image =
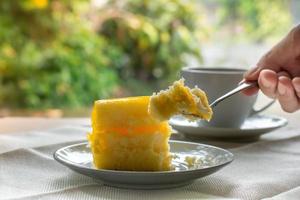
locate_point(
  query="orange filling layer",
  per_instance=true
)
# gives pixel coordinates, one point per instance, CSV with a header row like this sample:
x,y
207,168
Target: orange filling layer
x,y
127,131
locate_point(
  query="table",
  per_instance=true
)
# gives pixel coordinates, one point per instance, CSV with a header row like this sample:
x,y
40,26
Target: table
x,y
265,169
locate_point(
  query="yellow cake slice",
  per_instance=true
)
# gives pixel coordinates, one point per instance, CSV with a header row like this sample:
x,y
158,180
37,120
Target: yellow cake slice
x,y
179,99
126,137
132,133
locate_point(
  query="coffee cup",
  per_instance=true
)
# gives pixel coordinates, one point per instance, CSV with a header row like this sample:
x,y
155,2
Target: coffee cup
x,y
233,111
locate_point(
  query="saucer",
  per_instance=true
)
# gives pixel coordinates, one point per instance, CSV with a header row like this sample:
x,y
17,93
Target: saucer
x,y
253,127
207,159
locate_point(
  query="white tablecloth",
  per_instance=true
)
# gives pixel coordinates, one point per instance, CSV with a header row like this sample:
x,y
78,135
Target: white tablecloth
x,y
267,168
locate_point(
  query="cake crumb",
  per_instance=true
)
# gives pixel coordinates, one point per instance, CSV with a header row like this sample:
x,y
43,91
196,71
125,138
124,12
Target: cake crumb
x,y
190,160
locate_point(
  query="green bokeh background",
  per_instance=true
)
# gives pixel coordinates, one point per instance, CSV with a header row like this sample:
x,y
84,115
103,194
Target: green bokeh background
x,y
66,54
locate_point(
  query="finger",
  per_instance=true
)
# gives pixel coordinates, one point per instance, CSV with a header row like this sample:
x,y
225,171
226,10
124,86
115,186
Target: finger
x,y
250,91
267,82
271,60
286,94
296,84
278,56
252,74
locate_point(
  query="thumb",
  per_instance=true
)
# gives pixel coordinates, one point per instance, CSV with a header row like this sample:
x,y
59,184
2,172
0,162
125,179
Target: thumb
x,y
273,59
268,61
252,74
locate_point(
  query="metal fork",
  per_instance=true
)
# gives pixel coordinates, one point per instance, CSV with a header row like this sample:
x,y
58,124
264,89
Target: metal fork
x,y
239,88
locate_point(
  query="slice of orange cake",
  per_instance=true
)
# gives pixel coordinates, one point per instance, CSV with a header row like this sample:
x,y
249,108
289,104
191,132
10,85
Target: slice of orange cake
x,y
126,137
132,133
179,99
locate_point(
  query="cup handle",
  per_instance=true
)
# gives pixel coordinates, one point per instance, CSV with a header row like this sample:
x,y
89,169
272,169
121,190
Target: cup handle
x,y
254,112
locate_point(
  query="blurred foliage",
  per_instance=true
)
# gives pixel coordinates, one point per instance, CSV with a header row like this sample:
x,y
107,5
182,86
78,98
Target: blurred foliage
x,y
50,58
155,36
59,75
51,55
63,53
259,20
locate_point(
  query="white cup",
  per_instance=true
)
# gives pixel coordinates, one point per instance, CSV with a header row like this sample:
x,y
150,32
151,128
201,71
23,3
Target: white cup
x,y
233,111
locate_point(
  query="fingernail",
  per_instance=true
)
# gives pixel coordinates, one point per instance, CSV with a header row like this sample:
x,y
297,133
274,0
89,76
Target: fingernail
x,y
251,71
281,89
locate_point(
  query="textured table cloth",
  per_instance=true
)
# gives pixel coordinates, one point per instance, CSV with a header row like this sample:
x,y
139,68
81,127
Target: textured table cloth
x,y
263,169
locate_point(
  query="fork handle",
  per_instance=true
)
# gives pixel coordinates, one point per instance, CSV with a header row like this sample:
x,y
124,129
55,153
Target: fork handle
x,y
239,88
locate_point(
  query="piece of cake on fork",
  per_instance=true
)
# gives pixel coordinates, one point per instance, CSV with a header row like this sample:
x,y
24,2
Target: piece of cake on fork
x,y
179,99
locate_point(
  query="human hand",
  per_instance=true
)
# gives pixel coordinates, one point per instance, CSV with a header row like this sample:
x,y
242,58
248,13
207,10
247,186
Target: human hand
x,y
278,72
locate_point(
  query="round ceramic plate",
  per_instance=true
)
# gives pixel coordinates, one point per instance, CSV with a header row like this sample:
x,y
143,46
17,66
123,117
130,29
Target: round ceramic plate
x,y
252,127
206,160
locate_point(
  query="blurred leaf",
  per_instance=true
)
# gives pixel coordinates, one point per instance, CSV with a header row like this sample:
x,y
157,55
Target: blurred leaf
x,y
255,19
52,56
156,36
43,67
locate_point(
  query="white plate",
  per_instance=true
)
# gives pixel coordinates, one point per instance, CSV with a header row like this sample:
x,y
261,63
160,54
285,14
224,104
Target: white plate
x,y
253,127
209,159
